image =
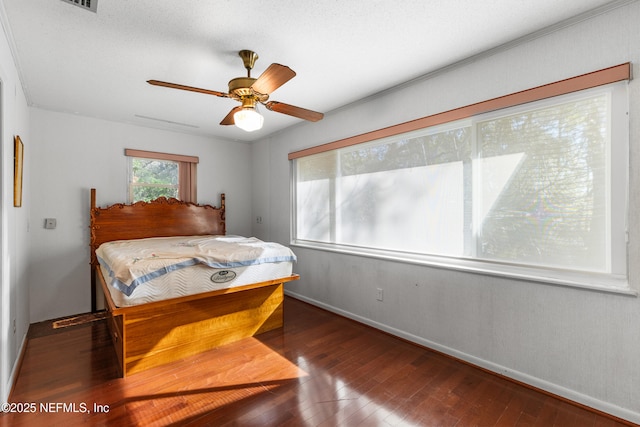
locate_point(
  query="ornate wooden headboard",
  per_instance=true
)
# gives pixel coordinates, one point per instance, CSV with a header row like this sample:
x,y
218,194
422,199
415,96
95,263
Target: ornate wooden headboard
x,y
159,218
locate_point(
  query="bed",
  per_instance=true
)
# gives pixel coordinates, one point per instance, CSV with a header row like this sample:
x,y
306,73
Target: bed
x,y
155,330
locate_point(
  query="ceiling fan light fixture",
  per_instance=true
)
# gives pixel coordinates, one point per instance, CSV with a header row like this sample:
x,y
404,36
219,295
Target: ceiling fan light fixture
x,y
248,119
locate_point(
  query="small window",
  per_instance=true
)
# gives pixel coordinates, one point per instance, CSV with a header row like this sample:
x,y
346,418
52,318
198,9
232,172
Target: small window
x,y
150,179
153,175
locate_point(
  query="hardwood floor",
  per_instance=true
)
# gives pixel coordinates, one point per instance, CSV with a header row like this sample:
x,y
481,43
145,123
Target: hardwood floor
x,y
319,370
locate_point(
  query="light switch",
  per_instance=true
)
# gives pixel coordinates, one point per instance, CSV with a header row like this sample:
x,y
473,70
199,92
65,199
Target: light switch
x,y
50,223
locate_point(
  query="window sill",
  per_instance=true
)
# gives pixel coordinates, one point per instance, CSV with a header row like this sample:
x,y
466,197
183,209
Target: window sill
x,y
578,280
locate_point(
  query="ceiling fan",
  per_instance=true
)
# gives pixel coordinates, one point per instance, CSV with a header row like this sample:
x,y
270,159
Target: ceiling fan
x,y
250,92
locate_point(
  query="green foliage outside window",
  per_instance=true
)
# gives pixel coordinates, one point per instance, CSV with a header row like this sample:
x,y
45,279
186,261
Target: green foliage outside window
x,y
151,179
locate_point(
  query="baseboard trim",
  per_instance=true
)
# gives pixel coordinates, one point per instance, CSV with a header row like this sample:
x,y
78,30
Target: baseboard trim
x,y
571,396
16,367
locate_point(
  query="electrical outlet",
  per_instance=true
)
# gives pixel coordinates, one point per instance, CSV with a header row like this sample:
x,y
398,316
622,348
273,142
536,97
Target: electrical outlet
x,y
379,295
50,223
259,219
14,326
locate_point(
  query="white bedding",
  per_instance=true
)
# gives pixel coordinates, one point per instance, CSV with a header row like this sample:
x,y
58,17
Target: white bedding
x,y
145,270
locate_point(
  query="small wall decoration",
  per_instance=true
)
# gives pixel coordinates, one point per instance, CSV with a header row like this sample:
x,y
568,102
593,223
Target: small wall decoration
x,y
17,171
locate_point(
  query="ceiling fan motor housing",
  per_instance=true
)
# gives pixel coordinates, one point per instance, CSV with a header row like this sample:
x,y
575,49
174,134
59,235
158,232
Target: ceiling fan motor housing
x,y
240,88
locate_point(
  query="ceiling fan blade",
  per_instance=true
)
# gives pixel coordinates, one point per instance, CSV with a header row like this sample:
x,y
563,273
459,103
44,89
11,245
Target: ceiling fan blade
x,y
228,120
291,110
272,78
189,88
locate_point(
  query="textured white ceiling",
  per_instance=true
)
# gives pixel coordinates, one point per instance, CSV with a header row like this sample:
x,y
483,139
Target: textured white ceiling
x,y
97,64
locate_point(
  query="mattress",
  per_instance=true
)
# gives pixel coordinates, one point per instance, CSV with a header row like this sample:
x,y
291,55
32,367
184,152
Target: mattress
x,y
146,270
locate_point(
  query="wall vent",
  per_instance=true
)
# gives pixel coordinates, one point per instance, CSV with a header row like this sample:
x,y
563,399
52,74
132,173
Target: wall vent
x,y
91,5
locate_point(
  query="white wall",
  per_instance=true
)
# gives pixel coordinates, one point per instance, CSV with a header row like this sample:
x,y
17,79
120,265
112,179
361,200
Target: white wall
x,y
14,238
580,344
260,190
71,154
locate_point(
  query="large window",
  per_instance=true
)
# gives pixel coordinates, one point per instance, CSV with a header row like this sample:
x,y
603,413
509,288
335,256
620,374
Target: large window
x,y
153,175
535,190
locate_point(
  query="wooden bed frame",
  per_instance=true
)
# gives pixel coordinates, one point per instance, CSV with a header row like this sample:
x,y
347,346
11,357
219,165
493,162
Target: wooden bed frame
x,y
161,332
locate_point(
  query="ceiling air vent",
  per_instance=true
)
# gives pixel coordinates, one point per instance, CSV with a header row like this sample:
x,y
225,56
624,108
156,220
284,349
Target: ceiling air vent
x,y
91,5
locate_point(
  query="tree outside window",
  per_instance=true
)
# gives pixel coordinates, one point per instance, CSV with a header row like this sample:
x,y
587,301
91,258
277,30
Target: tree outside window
x,y
153,175
151,179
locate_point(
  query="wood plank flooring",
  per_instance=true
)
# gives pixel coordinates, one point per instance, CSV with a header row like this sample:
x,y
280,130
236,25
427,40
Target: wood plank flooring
x,y
319,370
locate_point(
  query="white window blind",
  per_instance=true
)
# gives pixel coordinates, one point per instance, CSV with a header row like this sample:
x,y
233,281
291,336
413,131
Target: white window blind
x,y
541,186
541,179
